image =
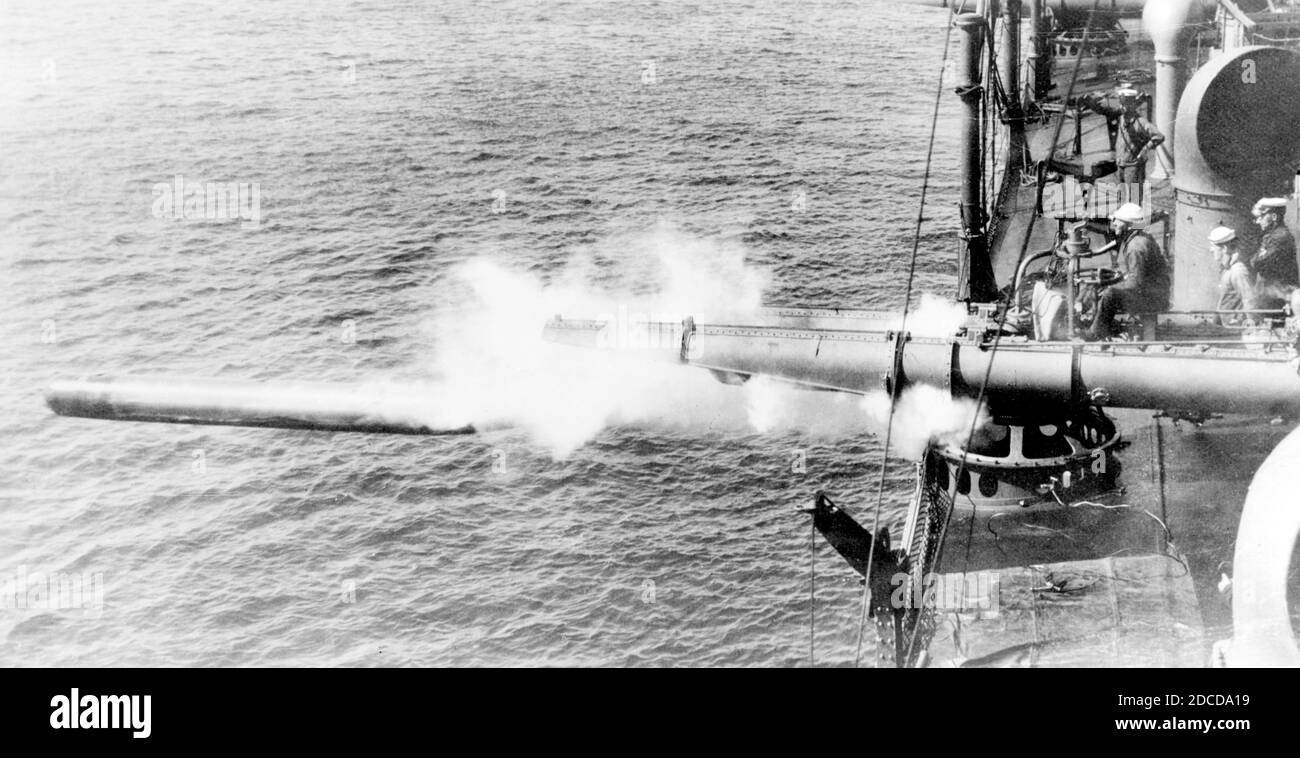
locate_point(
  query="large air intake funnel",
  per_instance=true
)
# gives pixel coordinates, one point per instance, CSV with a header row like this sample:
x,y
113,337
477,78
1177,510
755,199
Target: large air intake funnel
x,y
1235,142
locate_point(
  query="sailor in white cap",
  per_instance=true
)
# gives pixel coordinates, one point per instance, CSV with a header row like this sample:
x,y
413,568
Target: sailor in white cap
x,y
1237,281
1145,284
1275,261
1136,135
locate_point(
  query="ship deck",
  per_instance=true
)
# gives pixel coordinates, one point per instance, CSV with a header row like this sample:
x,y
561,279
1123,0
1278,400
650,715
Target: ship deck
x,y
1080,150
1082,186
1128,577
1095,586
1111,612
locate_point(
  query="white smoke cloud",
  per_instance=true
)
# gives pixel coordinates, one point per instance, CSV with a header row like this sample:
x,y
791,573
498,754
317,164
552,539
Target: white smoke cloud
x,y
935,317
772,406
496,369
493,367
923,413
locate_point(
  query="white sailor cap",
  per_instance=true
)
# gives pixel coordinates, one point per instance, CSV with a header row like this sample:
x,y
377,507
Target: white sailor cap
x,y
1269,204
1222,235
1127,92
1130,213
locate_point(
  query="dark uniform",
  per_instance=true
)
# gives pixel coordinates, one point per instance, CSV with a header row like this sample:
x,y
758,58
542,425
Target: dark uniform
x,y
1145,288
1275,266
1132,133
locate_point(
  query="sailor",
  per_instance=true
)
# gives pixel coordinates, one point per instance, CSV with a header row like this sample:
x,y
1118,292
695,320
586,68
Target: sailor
x,y
1275,267
1236,280
1145,284
1136,136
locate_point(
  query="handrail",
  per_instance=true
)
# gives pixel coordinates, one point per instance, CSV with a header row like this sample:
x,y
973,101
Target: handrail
x,y
1237,13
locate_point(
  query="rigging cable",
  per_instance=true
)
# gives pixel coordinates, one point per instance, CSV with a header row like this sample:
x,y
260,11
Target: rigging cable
x,y
812,593
902,328
993,350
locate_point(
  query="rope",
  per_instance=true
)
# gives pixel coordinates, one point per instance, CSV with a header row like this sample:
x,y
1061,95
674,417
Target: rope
x,y
988,368
812,593
1118,506
894,386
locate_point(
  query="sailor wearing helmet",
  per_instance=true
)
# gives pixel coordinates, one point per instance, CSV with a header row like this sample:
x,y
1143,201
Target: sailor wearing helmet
x,y
1135,135
1275,261
1145,286
1237,281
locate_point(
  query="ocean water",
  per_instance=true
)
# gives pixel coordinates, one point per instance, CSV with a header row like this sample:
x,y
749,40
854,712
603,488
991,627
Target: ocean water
x,y
414,163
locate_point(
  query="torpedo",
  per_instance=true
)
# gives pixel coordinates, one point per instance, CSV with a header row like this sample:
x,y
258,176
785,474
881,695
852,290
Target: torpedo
x,y
228,402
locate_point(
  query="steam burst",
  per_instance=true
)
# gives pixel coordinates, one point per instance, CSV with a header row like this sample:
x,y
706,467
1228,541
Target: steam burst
x,y
495,369
934,317
923,413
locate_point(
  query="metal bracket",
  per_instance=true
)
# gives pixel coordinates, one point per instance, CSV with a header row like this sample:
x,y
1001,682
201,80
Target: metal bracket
x,y
688,329
895,379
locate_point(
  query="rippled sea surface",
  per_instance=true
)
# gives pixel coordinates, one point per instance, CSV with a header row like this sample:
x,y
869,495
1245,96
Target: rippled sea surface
x,y
392,142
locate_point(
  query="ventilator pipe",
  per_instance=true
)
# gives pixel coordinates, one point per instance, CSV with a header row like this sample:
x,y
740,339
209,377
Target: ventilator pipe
x,y
1169,23
977,283
970,91
1040,57
1204,197
1270,524
1010,55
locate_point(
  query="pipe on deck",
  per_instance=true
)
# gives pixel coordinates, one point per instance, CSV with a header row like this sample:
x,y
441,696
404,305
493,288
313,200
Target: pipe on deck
x,y
1170,25
1009,61
977,282
1040,56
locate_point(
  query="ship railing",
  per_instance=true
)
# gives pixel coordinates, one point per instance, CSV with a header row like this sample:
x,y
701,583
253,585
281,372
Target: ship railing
x,y
1240,29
